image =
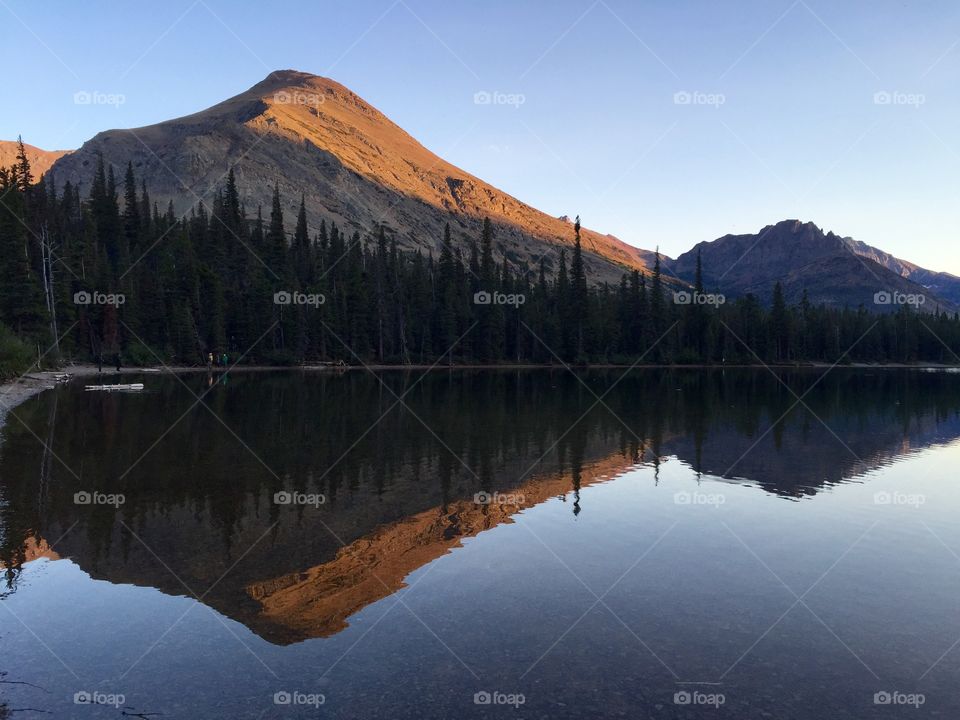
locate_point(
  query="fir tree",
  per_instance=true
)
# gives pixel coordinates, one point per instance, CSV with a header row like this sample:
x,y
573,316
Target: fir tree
x,y
578,291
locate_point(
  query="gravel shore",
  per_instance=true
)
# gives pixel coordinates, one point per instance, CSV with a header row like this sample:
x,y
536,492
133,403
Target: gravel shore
x,y
33,383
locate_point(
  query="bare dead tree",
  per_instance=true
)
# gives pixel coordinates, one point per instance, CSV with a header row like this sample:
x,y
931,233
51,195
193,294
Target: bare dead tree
x,y
46,252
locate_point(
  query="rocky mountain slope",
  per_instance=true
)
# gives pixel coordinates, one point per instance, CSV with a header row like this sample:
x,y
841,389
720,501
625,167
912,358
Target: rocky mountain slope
x,y
833,270
942,284
40,160
353,164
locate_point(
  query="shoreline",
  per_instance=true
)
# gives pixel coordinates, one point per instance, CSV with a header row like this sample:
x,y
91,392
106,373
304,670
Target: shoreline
x,y
16,392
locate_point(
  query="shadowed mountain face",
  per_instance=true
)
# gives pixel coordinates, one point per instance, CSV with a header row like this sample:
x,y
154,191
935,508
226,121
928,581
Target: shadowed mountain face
x,y
941,284
353,165
834,271
400,492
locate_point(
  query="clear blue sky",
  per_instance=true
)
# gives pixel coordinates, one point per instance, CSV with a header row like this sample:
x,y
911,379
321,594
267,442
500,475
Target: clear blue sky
x,y
799,133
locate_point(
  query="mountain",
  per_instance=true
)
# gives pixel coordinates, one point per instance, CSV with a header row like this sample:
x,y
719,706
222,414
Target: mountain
x,y
354,165
40,160
942,284
833,270
359,169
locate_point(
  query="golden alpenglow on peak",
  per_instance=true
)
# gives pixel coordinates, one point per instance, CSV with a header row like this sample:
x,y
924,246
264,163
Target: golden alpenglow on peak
x,y
353,165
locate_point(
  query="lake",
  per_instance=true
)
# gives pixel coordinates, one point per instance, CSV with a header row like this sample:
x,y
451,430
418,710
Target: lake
x,y
485,543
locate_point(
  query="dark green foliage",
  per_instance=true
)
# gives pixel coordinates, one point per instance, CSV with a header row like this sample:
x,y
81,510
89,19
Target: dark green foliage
x,y
15,355
218,281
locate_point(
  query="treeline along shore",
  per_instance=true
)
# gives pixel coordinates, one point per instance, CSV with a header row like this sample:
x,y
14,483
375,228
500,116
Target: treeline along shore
x,y
109,276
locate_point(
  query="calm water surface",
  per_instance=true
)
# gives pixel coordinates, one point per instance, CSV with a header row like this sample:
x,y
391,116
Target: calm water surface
x,y
658,544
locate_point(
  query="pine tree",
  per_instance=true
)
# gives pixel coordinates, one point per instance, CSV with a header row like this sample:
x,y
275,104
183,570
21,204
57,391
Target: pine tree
x,y
490,326
657,311
447,301
301,246
562,303
21,303
24,177
696,314
779,324
578,292
277,241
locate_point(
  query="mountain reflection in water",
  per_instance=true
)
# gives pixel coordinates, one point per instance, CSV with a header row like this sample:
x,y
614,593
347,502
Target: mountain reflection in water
x,y
401,492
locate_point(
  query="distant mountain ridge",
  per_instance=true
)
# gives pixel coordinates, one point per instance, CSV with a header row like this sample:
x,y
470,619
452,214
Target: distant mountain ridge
x,y
833,271
942,284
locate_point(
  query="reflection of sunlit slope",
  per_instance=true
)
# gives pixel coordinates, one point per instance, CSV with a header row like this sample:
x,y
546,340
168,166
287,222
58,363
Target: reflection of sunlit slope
x,y
32,549
202,522
318,601
201,515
